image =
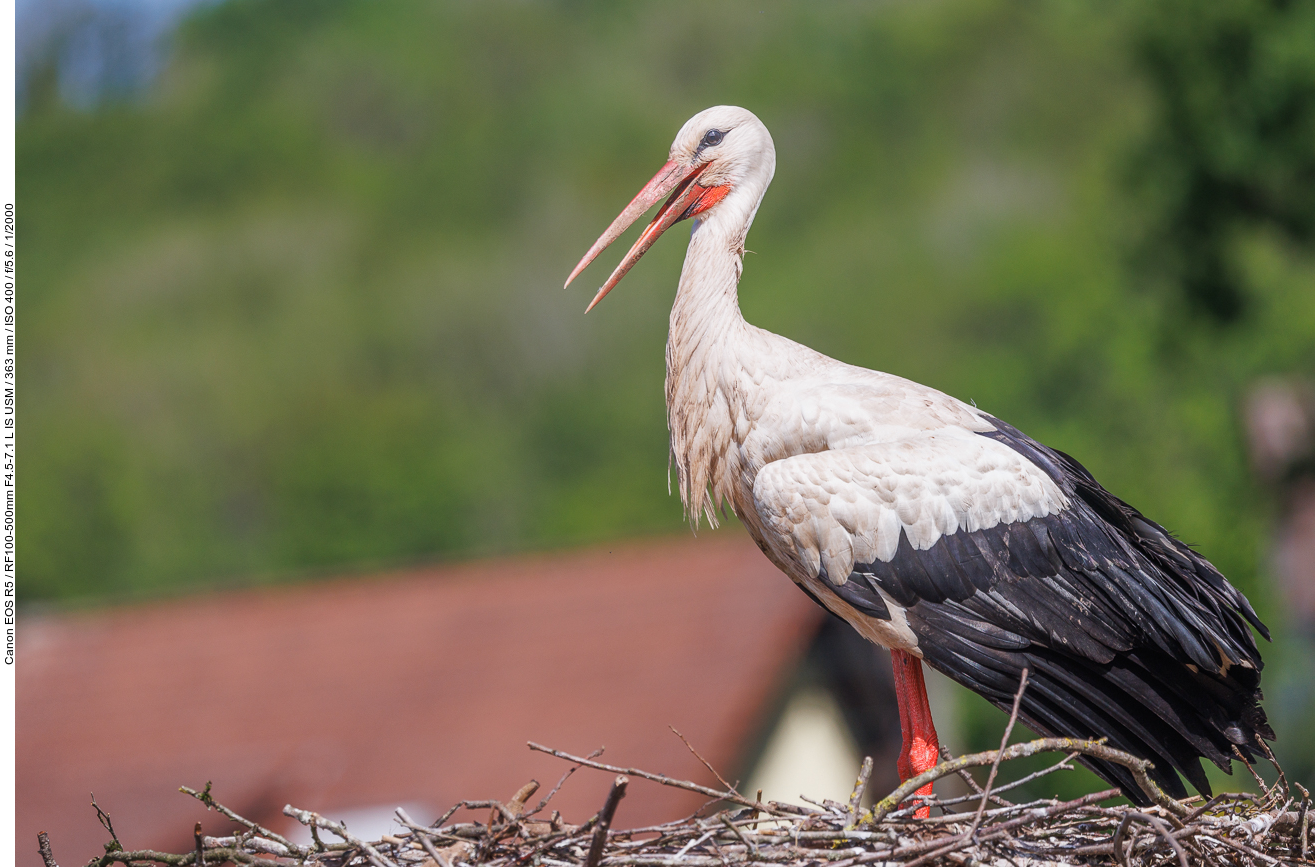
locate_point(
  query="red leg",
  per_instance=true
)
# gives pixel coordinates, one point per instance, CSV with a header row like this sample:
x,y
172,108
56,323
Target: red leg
x,y
921,746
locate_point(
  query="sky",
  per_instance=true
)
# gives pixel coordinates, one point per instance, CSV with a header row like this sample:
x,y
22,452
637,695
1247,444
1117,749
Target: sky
x,y
99,48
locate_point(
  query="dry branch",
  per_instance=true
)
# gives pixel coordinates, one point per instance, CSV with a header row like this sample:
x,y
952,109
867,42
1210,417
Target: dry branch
x,y
1233,830
604,823
43,846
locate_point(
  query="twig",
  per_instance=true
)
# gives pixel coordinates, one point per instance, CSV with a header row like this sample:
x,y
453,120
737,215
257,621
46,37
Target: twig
x,y
1119,854
1264,788
250,843
1282,780
200,851
860,786
566,776
422,836
1214,802
750,849
938,847
1095,749
205,797
721,856
962,773
136,856
1301,829
614,797
734,797
43,846
691,844
705,762
498,808
105,822
1004,742
1158,825
448,815
307,817
1238,847
822,805
998,831
516,806
1062,765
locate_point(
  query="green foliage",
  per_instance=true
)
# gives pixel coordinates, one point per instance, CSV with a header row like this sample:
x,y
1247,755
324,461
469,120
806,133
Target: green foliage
x,y
1234,142
301,308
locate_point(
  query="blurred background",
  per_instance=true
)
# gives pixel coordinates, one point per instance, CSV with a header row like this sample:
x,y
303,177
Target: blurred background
x,y
292,301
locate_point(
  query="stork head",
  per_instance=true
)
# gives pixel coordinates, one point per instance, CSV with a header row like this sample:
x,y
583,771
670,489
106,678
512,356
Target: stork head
x,y
718,169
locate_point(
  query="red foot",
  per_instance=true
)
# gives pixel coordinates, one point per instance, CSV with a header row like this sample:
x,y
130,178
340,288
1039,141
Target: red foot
x,y
921,746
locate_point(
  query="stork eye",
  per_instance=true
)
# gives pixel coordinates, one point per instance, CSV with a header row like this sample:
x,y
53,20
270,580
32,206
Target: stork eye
x,y
711,137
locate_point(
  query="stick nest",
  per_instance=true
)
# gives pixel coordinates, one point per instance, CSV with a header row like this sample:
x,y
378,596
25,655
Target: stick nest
x,y
983,828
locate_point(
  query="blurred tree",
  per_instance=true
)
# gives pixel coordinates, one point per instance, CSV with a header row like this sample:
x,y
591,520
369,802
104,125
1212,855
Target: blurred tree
x,y
1232,141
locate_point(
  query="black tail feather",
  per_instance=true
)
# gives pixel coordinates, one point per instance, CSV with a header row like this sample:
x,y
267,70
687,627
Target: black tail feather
x,y
1148,705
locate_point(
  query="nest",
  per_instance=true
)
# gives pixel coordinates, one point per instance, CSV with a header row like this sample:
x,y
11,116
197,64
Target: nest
x,y
982,828
1231,830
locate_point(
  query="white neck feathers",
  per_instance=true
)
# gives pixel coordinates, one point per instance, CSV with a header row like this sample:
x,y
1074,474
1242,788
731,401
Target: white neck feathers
x,y
705,347
702,362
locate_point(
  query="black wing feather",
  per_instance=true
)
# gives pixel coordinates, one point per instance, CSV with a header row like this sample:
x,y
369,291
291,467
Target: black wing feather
x,y
1128,633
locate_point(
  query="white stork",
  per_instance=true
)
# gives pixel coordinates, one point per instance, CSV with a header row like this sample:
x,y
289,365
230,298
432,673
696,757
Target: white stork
x,y
933,528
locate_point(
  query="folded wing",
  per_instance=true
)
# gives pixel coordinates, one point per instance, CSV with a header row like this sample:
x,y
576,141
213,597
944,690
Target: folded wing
x,y
1002,554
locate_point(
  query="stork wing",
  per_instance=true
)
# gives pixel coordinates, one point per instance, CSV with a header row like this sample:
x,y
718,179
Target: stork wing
x,y
1002,554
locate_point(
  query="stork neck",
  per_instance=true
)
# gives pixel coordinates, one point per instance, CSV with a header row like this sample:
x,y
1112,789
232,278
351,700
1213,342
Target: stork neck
x,y
708,294
705,322
705,358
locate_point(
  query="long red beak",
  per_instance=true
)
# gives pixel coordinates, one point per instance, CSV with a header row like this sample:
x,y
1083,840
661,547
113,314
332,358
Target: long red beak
x,y
687,200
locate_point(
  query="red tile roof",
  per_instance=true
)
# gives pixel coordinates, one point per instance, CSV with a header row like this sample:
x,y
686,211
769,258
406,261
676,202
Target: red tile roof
x,y
418,687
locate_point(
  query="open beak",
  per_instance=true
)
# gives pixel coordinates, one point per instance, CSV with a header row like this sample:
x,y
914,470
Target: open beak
x,y
687,199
